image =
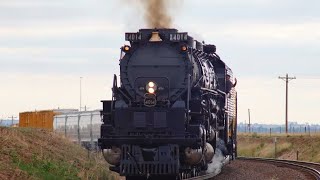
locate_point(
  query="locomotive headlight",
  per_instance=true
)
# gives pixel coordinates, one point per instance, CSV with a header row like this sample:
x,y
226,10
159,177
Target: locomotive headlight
x,y
126,48
151,84
151,87
184,48
151,90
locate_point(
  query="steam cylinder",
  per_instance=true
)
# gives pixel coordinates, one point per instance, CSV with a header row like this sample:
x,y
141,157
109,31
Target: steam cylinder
x,y
112,156
209,152
195,156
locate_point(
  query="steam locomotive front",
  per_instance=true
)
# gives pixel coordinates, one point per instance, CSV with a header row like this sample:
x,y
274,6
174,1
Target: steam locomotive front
x,y
156,65
144,130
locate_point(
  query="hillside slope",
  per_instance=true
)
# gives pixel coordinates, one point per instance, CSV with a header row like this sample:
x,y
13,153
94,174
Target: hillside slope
x,y
287,146
39,154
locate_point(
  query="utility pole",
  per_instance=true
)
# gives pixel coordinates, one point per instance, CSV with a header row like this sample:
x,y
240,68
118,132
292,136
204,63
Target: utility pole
x,y
80,93
275,147
12,117
245,126
287,79
249,125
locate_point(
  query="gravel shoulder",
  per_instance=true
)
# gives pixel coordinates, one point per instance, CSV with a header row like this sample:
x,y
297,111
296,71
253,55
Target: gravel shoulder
x,y
250,170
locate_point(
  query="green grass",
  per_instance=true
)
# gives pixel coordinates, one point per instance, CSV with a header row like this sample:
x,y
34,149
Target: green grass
x,y
43,168
27,153
283,147
262,145
255,134
264,149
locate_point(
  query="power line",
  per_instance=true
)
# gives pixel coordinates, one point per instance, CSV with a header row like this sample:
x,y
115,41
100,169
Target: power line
x,y
12,118
309,76
80,93
249,121
287,79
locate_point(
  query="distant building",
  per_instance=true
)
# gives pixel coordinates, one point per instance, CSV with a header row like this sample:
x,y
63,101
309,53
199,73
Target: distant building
x,y
8,122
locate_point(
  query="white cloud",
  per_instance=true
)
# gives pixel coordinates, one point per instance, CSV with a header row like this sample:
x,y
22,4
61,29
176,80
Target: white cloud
x,y
30,3
65,29
51,56
262,33
265,97
59,60
27,92
45,51
255,36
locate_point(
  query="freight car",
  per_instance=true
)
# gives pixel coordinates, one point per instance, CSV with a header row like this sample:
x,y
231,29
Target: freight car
x,y
78,126
37,119
173,109
41,119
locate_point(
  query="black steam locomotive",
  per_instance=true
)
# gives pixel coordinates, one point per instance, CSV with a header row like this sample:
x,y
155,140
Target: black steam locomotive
x,y
173,109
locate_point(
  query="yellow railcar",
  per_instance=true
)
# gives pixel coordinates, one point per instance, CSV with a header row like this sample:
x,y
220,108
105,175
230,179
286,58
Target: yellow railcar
x,y
37,119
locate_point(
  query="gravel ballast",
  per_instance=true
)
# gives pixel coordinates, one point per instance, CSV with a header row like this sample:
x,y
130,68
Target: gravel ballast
x,y
251,170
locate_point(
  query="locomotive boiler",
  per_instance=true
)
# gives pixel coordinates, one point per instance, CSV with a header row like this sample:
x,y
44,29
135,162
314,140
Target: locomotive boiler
x,y
171,111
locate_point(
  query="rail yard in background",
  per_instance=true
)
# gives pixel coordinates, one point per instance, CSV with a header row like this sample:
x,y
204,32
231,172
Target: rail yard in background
x,y
82,127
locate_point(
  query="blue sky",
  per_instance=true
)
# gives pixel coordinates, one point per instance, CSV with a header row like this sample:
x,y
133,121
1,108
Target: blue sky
x,y
45,46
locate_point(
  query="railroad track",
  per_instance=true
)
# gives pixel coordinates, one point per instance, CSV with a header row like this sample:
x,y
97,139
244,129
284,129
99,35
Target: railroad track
x,y
206,176
312,169
209,175
309,167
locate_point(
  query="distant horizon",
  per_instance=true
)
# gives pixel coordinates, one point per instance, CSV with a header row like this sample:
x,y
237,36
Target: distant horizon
x,y
242,123
239,122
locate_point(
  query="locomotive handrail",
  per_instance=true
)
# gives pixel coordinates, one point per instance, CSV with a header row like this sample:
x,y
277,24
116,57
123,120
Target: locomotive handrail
x,y
221,92
189,96
124,95
198,81
217,92
115,88
115,85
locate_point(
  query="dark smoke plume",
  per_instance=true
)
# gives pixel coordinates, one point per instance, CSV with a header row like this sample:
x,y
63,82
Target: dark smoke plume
x,y
156,13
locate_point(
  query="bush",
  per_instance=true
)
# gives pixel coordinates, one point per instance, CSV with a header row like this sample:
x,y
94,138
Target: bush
x,y
255,135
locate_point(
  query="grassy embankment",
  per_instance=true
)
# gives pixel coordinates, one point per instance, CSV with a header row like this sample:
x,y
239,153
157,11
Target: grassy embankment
x,y
40,154
257,145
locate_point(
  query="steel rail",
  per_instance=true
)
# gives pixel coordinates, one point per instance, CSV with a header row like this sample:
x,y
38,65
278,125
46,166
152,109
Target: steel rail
x,y
300,164
202,177
209,175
